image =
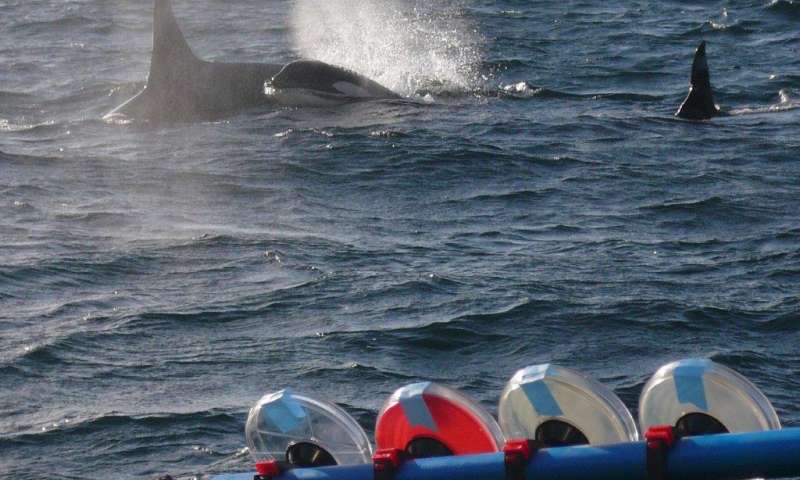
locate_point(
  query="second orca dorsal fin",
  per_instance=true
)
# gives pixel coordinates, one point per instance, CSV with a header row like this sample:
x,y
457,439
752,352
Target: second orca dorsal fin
x,y
171,52
699,104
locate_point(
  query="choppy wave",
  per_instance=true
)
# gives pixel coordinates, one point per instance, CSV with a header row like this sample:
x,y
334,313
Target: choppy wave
x,y
61,22
157,430
532,201
789,8
785,103
706,205
527,90
15,96
16,158
9,126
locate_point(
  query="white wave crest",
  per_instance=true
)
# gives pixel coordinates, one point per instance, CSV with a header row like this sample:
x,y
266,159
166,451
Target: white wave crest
x,y
785,103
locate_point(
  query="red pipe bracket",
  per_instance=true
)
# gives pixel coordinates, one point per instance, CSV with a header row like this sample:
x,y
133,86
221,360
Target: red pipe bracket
x,y
660,439
267,470
387,462
517,455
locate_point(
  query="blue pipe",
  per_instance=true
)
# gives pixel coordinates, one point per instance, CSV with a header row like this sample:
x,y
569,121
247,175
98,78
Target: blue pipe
x,y
772,454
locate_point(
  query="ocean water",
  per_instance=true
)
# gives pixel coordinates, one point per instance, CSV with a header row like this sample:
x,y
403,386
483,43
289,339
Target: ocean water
x,y
533,201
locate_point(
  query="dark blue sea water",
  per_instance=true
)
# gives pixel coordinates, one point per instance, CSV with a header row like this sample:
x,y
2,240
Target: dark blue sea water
x,y
535,201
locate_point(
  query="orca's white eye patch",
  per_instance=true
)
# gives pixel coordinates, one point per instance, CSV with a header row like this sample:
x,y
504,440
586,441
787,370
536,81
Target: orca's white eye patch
x,y
352,90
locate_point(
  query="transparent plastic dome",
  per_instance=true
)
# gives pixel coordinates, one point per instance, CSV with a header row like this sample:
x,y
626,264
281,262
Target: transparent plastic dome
x,y
559,407
427,419
700,397
304,431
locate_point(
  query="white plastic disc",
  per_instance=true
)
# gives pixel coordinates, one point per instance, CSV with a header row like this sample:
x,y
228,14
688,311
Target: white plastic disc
x,y
560,406
693,390
286,426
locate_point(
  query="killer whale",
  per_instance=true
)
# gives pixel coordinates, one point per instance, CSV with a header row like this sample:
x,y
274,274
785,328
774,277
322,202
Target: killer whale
x,y
699,104
182,87
314,83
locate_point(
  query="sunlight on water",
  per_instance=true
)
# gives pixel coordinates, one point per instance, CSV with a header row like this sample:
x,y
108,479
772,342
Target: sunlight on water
x,y
405,46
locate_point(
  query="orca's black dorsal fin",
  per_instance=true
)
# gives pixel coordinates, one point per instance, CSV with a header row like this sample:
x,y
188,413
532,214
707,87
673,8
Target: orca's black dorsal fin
x,y
171,52
700,74
699,105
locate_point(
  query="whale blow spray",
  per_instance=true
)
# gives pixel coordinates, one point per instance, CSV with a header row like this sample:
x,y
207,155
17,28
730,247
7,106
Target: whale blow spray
x,y
406,45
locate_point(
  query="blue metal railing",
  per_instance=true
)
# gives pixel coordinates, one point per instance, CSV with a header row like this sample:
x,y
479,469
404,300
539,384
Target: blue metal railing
x,y
771,454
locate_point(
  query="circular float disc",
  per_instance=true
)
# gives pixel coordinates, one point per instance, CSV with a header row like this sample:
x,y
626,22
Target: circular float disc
x,y
305,432
426,419
560,407
700,396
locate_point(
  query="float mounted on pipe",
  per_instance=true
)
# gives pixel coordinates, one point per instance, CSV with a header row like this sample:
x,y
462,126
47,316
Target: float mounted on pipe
x,y
700,421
